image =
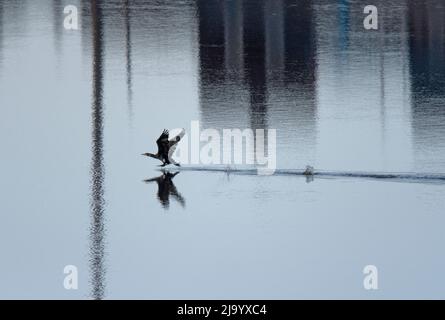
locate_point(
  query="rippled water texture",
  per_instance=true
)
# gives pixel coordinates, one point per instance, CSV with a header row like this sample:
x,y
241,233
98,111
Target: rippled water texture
x,y
364,108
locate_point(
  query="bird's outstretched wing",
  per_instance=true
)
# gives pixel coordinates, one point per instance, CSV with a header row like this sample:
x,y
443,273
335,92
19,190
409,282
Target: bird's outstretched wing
x,y
156,179
174,174
178,197
174,141
162,142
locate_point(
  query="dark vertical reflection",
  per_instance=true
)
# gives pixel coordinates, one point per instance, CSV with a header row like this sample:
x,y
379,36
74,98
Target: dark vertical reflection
x,y
97,229
1,34
344,23
382,96
257,55
58,17
233,22
274,29
382,84
255,64
300,37
85,19
427,68
211,40
212,61
300,76
127,15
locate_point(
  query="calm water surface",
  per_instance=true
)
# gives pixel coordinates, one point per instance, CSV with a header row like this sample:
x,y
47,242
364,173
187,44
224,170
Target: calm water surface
x,y
79,107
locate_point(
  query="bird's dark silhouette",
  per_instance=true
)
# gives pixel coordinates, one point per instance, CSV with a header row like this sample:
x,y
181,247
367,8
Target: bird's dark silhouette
x,y
166,148
166,188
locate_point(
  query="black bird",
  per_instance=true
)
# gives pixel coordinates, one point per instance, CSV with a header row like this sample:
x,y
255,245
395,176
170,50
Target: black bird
x,y
166,188
166,148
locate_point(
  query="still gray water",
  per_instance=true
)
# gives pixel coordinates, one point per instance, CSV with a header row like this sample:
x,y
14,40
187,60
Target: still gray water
x,y
78,107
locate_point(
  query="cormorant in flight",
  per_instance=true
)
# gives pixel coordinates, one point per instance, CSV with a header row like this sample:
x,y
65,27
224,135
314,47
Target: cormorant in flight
x,y
166,148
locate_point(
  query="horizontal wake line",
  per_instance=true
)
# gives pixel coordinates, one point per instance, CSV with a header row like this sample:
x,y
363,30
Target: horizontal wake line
x,y
414,177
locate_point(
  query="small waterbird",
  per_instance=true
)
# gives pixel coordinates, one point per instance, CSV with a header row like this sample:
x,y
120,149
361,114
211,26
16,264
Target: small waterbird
x,y
309,171
166,148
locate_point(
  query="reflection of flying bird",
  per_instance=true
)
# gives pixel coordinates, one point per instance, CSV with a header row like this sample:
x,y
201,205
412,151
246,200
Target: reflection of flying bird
x,y
166,148
166,188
